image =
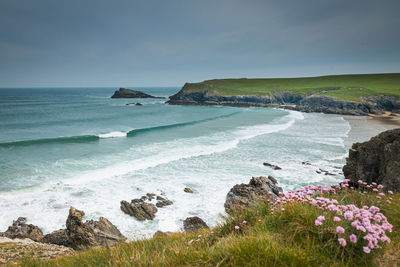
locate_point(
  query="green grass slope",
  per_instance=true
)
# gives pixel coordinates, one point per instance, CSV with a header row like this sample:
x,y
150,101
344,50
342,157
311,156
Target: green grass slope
x,y
284,238
346,87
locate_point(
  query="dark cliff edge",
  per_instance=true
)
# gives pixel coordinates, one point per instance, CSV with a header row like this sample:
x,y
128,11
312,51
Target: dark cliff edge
x,y
129,93
311,103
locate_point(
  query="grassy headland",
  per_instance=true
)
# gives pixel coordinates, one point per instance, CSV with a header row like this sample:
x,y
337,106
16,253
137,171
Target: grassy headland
x,y
345,87
258,237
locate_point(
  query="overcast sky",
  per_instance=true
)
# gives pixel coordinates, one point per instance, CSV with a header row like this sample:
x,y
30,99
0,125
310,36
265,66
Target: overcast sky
x,y
168,42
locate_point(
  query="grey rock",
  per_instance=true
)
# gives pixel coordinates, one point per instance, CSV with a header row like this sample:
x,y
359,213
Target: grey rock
x,y
129,93
275,167
163,203
188,190
139,209
91,233
58,237
20,229
193,224
377,160
244,195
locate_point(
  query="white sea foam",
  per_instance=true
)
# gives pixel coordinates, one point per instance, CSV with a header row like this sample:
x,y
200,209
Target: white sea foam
x,y
113,135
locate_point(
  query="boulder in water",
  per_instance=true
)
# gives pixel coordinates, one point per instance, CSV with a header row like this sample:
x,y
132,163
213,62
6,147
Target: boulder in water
x,y
139,209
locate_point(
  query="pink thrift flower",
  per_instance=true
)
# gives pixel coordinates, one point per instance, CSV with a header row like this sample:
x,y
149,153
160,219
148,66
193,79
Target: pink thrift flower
x,y
380,186
340,230
366,250
321,218
353,238
375,190
388,201
390,192
342,242
190,242
336,219
378,197
318,223
244,222
237,227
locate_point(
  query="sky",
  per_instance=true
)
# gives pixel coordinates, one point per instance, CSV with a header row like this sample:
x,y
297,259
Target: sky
x,y
82,43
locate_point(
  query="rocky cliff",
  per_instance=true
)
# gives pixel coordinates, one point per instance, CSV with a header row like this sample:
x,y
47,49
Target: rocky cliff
x,y
377,160
309,103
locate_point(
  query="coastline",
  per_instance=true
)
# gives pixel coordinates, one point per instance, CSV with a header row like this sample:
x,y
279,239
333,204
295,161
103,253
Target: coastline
x,y
362,128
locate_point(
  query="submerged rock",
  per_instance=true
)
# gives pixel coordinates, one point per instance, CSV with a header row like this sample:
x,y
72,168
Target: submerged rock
x,y
377,160
193,224
129,93
243,195
187,190
163,203
139,209
20,229
275,167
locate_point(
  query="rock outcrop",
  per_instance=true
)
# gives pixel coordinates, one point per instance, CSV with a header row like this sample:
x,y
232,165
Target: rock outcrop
x,y
91,233
377,160
58,237
129,93
20,229
244,195
18,249
305,103
139,209
193,224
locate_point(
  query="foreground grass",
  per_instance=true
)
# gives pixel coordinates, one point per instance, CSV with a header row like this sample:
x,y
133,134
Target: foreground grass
x,y
288,238
346,87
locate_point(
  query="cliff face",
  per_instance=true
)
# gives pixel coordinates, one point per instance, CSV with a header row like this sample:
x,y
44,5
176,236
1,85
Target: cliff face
x,y
377,160
312,103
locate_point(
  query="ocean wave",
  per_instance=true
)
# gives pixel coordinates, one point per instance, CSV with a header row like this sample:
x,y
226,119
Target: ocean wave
x,y
91,138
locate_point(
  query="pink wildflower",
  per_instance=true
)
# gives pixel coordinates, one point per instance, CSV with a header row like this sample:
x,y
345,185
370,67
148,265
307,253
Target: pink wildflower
x,y
342,242
366,250
390,192
190,242
321,218
336,219
380,186
237,227
244,222
353,238
318,223
340,230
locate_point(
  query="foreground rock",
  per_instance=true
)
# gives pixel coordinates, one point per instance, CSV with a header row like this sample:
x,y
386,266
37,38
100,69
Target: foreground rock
x,y
193,224
18,249
91,233
139,209
244,195
58,237
377,160
129,93
20,229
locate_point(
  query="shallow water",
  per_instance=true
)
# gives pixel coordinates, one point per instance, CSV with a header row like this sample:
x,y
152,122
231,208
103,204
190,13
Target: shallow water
x,y
76,146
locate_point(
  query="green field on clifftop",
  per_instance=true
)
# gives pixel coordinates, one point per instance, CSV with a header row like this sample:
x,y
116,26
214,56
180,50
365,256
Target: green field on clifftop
x,y
346,87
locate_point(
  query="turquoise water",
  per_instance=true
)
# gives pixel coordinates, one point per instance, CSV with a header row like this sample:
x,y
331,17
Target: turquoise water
x,y
77,146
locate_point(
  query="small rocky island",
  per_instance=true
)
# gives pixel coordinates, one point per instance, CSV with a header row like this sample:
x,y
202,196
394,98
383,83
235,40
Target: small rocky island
x,y
129,93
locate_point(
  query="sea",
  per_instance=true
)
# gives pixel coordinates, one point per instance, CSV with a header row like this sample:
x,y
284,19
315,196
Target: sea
x,y
62,147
